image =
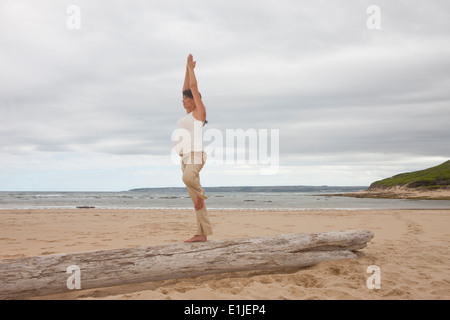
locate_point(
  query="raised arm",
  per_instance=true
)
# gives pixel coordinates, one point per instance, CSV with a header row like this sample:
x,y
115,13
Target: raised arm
x,y
186,84
200,111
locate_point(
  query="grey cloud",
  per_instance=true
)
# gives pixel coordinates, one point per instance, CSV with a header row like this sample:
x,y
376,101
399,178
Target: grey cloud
x,y
309,68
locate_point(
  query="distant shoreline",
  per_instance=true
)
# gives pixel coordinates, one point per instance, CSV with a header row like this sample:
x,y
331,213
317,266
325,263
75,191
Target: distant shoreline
x,y
330,189
397,193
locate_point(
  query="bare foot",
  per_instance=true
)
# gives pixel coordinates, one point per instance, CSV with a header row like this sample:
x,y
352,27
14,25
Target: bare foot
x,y
197,239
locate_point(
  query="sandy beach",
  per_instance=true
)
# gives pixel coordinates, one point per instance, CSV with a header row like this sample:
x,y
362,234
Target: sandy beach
x,y
411,248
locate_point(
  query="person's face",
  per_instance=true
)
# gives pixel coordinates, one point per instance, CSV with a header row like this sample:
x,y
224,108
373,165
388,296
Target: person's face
x,y
188,103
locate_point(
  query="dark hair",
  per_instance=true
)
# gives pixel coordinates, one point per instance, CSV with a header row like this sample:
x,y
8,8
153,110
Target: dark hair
x,y
188,93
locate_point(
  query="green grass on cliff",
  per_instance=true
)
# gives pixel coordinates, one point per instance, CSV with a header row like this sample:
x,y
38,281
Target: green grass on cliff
x,y
433,178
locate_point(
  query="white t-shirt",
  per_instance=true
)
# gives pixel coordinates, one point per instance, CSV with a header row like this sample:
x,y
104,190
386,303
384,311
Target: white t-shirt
x,y
190,133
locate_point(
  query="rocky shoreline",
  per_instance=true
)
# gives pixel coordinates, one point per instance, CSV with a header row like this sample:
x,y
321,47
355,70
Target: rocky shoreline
x,y
399,193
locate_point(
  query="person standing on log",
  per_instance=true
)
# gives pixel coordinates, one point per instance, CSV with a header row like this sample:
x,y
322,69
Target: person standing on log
x,y
190,149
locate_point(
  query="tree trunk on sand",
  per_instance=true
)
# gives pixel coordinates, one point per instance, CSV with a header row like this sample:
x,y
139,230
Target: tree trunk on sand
x,y
43,275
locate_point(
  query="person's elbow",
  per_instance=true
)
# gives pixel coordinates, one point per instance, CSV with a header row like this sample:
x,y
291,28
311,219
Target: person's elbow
x,y
202,115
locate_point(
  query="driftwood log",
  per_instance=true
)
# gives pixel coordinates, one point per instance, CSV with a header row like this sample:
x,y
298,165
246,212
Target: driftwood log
x,y
36,276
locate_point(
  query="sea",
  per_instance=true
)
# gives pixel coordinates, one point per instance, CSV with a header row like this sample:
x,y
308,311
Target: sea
x,y
174,198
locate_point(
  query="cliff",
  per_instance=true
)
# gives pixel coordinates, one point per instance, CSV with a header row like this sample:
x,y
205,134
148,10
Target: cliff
x,y
429,179
429,184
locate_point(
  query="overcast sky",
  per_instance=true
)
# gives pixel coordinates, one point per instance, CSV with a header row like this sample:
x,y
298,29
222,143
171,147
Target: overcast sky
x,y
94,108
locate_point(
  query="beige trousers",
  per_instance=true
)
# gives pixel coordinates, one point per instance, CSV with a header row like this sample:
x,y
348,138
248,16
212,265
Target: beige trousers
x,y
191,164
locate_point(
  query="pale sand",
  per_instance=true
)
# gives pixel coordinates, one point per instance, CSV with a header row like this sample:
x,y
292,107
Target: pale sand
x,y
411,247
